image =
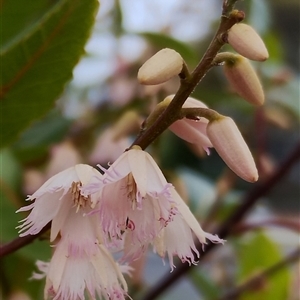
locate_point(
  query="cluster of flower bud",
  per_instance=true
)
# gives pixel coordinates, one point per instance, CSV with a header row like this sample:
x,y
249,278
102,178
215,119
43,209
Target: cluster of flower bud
x,y
209,129
238,70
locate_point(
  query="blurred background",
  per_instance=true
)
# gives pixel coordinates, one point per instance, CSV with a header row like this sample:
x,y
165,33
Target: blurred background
x,y
100,113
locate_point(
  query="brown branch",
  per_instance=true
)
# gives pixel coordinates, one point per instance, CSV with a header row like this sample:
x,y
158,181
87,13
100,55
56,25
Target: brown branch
x,y
293,225
225,229
21,242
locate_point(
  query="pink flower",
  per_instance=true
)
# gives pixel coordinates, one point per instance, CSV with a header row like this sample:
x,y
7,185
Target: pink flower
x,y
135,197
137,206
192,131
54,198
69,275
177,237
80,261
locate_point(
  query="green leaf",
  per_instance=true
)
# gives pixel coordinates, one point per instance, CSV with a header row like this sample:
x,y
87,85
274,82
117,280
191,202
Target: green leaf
x,y
10,180
165,41
256,255
25,16
37,63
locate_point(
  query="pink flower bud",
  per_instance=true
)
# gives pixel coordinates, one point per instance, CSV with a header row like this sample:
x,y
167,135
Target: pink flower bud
x,y
245,40
160,67
229,143
244,80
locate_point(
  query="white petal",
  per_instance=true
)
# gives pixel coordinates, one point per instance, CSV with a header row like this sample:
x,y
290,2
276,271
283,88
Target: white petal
x,y
85,172
157,181
59,220
45,208
61,180
189,217
57,264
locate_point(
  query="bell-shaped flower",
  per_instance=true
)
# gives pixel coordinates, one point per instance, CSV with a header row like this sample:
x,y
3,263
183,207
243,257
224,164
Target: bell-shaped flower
x,y
229,143
53,199
177,237
133,196
137,205
80,262
70,275
192,131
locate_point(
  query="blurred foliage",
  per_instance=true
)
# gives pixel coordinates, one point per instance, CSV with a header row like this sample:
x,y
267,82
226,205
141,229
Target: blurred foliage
x,y
204,285
34,142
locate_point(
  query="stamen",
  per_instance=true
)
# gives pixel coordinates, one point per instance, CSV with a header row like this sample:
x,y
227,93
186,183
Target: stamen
x,y
78,198
131,190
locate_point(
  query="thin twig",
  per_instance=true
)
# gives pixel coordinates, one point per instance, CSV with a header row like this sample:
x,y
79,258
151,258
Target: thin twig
x,y
225,229
293,225
21,242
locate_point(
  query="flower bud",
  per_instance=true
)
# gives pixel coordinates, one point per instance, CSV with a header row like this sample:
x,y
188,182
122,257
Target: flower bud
x,y
229,143
162,66
244,80
245,40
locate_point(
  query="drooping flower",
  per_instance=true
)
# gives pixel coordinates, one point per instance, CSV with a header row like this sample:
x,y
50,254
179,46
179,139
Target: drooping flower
x,y
80,263
177,237
192,131
133,196
231,146
137,205
51,199
70,275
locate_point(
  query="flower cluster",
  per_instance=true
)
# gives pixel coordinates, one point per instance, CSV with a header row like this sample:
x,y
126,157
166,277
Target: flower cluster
x,y
127,208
